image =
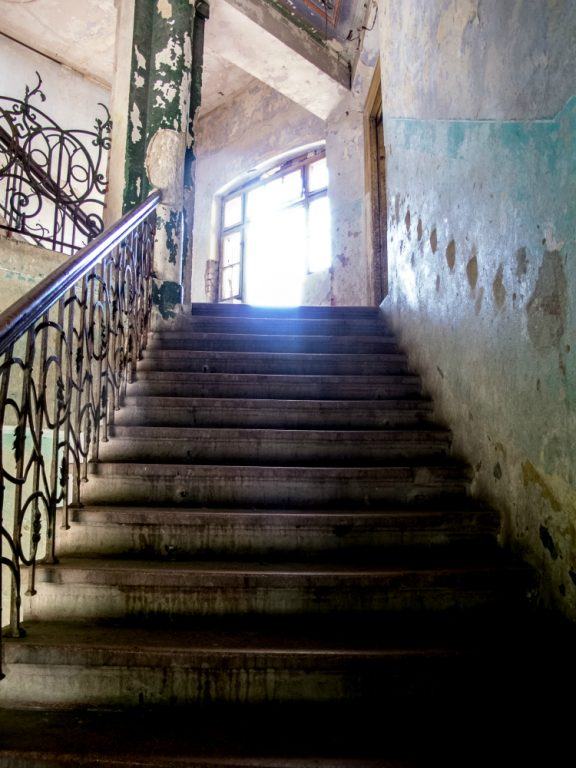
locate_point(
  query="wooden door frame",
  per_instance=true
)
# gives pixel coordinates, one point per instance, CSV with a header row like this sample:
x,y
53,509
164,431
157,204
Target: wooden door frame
x,y
377,213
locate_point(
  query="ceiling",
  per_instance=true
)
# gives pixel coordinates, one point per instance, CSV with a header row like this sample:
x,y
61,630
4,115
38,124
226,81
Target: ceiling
x,y
75,32
331,19
220,81
81,34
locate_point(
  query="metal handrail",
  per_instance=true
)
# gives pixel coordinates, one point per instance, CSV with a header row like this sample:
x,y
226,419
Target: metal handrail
x,y
68,348
26,310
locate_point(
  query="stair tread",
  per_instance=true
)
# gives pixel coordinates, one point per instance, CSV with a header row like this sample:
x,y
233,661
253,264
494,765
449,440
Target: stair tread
x,y
155,432
151,468
255,636
405,564
466,510
157,352
167,335
259,403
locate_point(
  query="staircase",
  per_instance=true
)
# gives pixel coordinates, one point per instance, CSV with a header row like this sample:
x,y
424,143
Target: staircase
x,y
277,555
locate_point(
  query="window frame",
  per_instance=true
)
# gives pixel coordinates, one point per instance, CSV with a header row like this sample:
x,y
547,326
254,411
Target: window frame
x,y
301,162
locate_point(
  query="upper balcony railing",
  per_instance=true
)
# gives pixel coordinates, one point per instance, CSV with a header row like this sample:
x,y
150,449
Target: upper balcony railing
x,y
67,350
52,180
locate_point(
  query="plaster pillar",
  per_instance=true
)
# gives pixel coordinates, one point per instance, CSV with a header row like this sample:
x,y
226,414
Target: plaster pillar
x,y
150,104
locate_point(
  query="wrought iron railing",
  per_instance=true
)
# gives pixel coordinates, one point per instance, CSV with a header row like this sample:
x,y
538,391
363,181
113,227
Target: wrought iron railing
x,y
67,350
52,180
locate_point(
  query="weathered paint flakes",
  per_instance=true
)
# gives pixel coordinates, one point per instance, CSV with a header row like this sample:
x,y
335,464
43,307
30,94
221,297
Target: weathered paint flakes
x,y
136,122
546,309
140,59
165,9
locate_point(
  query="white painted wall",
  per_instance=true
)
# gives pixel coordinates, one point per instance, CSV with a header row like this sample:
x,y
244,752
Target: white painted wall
x,y
72,102
71,99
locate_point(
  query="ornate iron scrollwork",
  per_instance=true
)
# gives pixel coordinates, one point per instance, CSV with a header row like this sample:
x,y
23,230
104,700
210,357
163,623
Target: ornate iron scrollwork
x,y
52,180
66,355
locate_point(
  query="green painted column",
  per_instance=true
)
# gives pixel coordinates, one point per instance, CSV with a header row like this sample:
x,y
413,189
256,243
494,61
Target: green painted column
x,y
158,130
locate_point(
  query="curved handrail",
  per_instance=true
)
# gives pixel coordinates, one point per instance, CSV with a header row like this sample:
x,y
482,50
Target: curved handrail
x,y
21,315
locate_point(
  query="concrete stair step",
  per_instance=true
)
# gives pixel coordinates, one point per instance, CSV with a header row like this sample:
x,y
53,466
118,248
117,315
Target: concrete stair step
x,y
262,386
213,485
82,589
273,362
273,413
180,532
246,310
264,342
391,733
279,326
270,446
236,661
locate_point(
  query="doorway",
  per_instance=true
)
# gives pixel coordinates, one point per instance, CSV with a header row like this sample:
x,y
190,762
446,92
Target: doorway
x,y
375,149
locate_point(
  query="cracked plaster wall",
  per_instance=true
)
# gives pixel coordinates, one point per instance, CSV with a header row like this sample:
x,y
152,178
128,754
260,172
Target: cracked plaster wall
x,y
480,129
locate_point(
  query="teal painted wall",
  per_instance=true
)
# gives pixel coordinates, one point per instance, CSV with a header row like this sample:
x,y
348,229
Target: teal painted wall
x,y
482,260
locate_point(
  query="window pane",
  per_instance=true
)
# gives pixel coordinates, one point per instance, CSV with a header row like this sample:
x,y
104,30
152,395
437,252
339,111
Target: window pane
x,y
230,282
319,235
317,175
231,249
233,211
275,258
274,195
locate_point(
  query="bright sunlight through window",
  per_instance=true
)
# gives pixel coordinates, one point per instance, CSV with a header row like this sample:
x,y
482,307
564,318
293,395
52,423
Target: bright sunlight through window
x,y
275,230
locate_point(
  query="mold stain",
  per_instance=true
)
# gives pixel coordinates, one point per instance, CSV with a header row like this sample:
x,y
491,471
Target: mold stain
x,y
437,283
531,476
548,542
521,263
472,270
407,222
420,230
479,300
498,288
451,255
434,240
497,471
397,209
546,308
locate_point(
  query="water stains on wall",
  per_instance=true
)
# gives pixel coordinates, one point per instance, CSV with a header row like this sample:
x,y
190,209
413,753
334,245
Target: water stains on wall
x,y
496,314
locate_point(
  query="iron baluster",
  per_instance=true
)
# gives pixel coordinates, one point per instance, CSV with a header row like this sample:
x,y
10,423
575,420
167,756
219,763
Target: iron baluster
x,y
66,350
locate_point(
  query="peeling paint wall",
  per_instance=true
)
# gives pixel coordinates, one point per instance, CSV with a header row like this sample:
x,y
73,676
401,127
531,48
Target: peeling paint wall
x,y
480,129
350,279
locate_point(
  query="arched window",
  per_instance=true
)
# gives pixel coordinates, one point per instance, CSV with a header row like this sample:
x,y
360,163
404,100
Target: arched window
x,y
275,229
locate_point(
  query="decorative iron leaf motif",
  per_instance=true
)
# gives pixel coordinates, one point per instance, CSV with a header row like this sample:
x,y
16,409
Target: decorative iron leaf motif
x,y
36,526
64,474
60,399
19,438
